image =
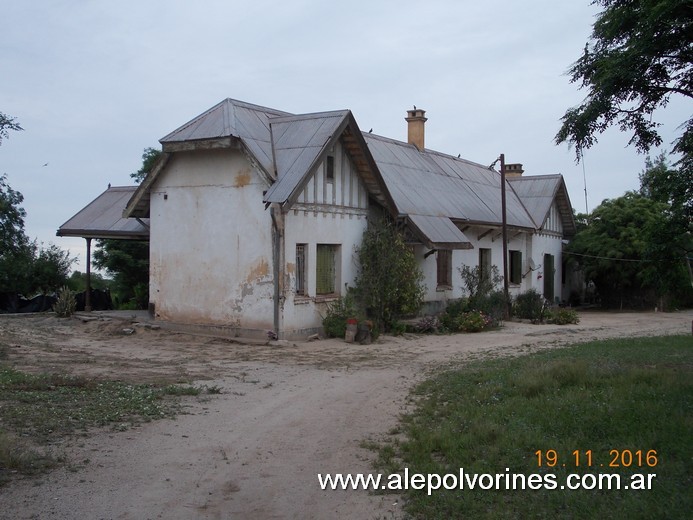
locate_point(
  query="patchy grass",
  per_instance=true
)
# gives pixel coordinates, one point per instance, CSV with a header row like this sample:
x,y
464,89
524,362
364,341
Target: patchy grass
x,y
631,395
37,410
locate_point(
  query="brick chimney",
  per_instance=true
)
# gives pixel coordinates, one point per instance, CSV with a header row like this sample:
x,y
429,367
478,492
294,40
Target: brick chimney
x,y
415,130
514,170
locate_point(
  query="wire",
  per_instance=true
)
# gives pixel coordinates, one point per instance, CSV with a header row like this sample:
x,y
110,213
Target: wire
x,y
604,257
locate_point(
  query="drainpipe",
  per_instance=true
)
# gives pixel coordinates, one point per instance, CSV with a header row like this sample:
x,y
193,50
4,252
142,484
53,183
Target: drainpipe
x,y
278,264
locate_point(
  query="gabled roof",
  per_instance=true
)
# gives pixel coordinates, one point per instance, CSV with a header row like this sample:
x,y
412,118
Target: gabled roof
x,y
300,144
538,193
433,184
232,118
435,193
103,218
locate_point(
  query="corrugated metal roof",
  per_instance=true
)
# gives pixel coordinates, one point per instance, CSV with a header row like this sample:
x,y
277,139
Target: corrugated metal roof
x,y
103,218
439,232
538,193
232,118
419,184
298,143
433,184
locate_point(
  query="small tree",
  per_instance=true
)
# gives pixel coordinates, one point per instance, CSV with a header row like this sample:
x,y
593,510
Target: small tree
x,y
390,282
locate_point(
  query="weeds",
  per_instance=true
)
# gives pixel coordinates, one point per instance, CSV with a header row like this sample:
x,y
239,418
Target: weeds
x,y
42,408
66,304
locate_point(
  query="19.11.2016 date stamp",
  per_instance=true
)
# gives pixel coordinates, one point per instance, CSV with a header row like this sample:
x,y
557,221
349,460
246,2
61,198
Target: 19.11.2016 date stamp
x,y
587,458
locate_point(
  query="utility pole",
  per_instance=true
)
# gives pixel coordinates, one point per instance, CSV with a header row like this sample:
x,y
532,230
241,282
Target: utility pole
x,y
506,291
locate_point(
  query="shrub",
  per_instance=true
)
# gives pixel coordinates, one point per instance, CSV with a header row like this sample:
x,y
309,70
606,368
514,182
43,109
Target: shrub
x,y
427,324
398,328
390,283
459,318
529,306
473,321
338,312
66,303
493,304
563,317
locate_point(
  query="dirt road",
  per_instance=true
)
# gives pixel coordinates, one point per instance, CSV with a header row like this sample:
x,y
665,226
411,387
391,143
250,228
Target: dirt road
x,y
288,411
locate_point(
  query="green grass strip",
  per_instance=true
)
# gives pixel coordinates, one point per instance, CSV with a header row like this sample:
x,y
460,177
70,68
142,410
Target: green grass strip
x,y
631,394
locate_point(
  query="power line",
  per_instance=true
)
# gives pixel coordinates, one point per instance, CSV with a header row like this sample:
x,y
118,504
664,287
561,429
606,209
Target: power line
x,y
604,257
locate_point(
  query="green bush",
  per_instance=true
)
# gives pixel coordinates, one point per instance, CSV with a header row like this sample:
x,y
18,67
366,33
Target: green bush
x,y
398,328
458,317
563,317
493,304
529,306
389,284
473,321
334,322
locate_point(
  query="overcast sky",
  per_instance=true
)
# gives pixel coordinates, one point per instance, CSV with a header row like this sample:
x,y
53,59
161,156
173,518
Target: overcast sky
x,y
93,83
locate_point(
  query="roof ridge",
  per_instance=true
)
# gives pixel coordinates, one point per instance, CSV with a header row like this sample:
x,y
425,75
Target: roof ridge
x,y
310,115
425,150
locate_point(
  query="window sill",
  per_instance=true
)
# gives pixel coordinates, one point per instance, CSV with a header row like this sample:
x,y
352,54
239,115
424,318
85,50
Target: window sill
x,y
442,288
300,299
326,298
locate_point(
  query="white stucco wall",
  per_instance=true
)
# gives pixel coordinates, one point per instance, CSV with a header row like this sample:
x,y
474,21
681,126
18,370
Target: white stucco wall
x,y
211,242
544,244
334,213
531,245
303,313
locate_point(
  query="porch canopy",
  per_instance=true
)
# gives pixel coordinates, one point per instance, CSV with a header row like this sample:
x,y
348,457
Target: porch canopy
x,y
103,218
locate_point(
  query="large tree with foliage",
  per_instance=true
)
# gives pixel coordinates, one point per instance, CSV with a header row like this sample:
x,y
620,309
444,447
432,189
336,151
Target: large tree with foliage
x,y
671,239
639,56
16,250
128,262
612,249
25,267
634,253
389,283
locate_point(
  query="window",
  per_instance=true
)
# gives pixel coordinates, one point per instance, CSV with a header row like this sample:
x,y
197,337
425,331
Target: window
x,y
485,263
326,269
329,168
549,273
301,269
516,267
444,265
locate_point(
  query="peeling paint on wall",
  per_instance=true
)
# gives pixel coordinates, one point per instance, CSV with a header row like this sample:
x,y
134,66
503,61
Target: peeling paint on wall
x,y
258,271
243,178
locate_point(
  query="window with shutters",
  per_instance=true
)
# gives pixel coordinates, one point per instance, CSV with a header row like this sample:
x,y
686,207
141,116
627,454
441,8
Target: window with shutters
x,y
326,271
444,267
